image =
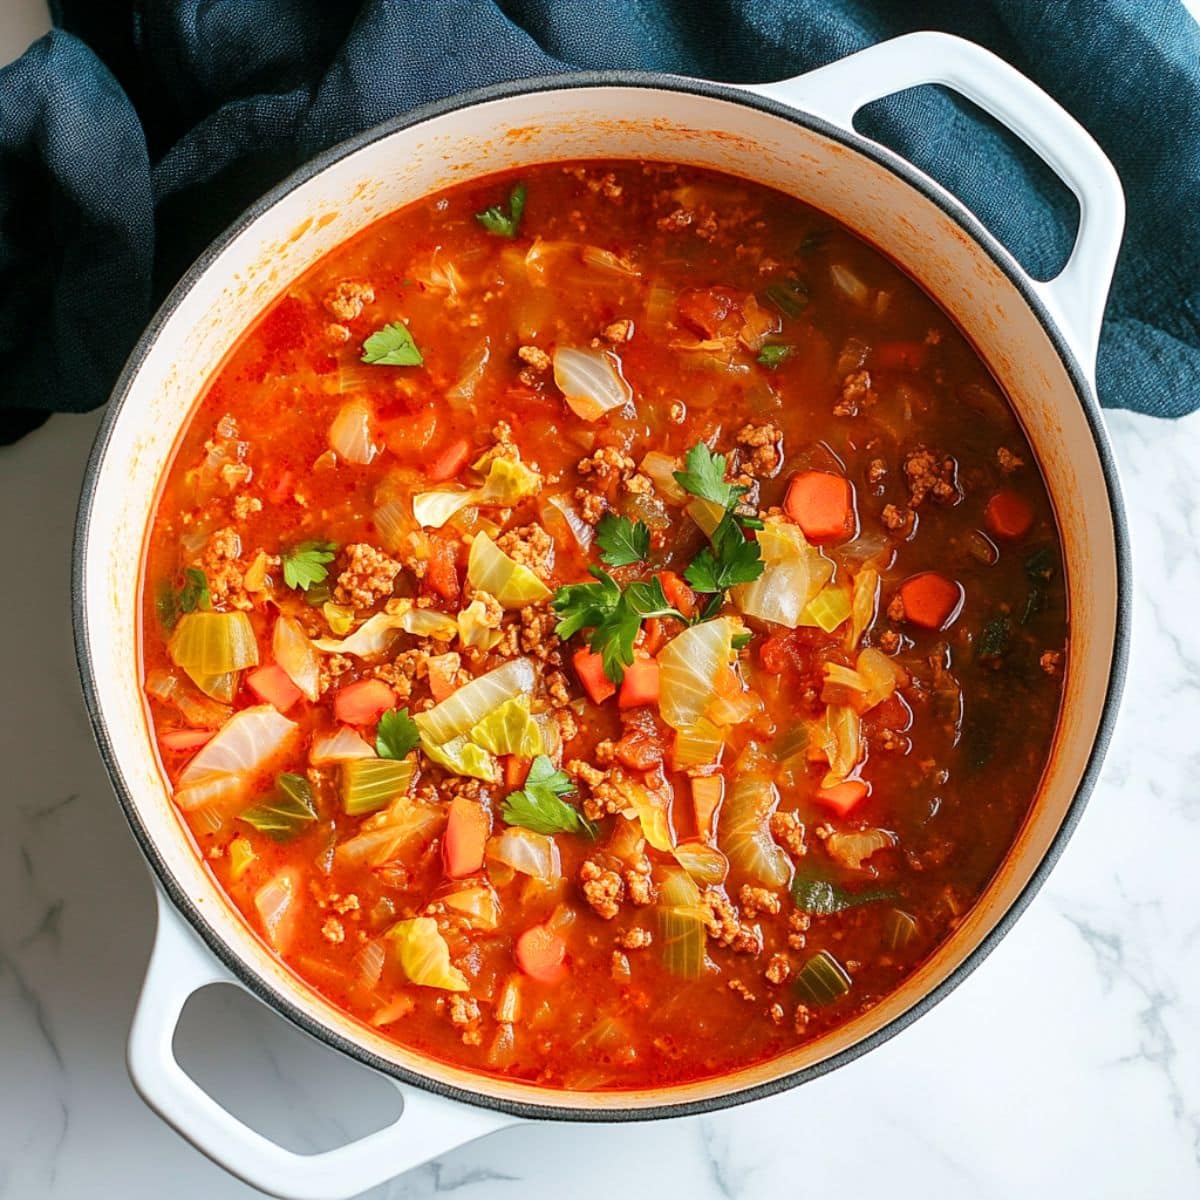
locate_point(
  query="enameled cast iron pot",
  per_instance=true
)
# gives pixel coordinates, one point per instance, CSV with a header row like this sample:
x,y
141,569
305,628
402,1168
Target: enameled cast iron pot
x,y
1038,338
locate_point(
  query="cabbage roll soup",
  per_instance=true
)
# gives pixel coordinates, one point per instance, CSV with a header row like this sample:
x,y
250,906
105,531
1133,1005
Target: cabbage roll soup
x,y
603,627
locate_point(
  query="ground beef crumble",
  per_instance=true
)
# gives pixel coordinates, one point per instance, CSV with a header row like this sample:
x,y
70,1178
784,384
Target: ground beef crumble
x,y
367,578
601,888
531,546
347,300
931,474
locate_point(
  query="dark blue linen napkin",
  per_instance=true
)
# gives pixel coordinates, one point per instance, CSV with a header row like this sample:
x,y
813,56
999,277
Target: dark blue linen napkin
x,y
137,129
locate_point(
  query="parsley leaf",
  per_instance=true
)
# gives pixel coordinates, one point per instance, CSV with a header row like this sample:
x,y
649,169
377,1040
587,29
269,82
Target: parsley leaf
x,y
613,640
540,805
287,813
505,224
396,735
649,600
392,346
730,560
194,594
585,605
622,541
772,355
704,476
815,894
304,563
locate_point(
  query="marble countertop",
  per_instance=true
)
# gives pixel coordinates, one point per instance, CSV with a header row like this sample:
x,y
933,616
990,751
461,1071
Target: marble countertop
x,y
1067,1064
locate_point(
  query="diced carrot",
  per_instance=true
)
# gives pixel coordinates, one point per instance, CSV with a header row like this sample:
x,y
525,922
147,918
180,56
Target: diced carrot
x,y
589,666
677,592
652,635
822,504
1008,515
272,685
640,685
443,680
900,356
363,702
467,829
441,570
185,739
707,793
842,797
540,953
516,768
930,600
451,460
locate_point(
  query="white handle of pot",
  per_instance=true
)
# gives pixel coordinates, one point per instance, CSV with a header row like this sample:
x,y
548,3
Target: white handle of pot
x,y
179,966
1075,297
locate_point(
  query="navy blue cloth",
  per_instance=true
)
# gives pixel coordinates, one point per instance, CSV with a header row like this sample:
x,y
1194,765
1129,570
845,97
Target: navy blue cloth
x,y
138,129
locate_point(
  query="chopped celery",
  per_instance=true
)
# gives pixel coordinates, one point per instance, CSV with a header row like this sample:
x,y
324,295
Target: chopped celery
x,y
213,643
424,955
813,893
508,482
491,570
899,929
744,831
469,704
822,979
369,784
286,814
509,729
829,608
462,757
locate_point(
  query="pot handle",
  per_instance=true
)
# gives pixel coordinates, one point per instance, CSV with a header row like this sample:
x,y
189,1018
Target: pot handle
x,y
180,965
1075,297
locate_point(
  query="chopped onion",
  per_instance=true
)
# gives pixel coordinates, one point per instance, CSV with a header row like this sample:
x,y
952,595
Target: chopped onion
x,y
852,848
849,285
462,394
863,603
273,901
350,433
591,381
528,853
688,667
394,520
705,864
433,509
344,745
882,675
661,470
559,512
368,964
606,260
297,656
745,834
478,904
473,701
200,712
226,766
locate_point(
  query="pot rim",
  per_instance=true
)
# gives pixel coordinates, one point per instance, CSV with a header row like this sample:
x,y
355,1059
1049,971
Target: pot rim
x,y
583,80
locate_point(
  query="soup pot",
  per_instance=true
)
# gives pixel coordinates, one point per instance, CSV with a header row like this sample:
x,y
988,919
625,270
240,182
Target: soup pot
x,y
1039,339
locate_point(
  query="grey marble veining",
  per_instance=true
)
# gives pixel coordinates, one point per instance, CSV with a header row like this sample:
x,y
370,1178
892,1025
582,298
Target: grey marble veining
x,y
1068,1064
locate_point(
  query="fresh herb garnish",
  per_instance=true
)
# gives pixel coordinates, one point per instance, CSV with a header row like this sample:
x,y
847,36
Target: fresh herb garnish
x,y
791,297
622,541
505,224
540,805
730,559
396,735
704,476
585,605
772,355
816,894
994,639
392,346
741,640
304,563
289,812
193,595
1039,570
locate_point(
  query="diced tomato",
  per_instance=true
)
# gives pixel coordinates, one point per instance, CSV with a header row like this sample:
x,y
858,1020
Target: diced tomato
x,y
640,685
589,666
185,739
516,768
441,570
541,954
822,504
272,685
900,356
364,702
844,796
1008,515
706,310
930,600
677,592
467,829
450,462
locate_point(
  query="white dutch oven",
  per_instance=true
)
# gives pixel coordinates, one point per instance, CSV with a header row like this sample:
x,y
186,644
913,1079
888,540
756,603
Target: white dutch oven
x,y
1039,339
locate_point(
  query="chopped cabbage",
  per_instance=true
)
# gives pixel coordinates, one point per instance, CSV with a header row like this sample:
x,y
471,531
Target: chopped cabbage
x,y
744,833
369,784
224,768
509,729
793,573
590,381
433,509
688,666
213,643
462,757
297,656
491,570
508,482
424,955
475,700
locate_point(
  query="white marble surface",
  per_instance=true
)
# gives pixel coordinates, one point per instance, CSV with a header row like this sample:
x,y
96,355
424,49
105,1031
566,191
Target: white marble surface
x,y
1067,1065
